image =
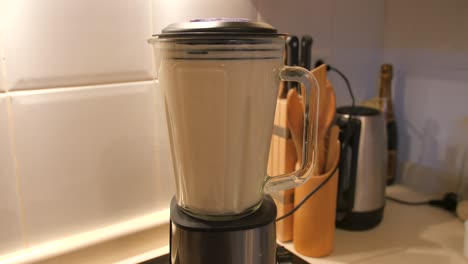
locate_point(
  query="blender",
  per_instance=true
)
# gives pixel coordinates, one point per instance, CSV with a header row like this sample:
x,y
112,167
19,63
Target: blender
x,y
220,80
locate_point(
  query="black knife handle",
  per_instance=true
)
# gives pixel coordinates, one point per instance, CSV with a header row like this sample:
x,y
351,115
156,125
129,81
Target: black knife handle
x,y
306,52
292,49
292,56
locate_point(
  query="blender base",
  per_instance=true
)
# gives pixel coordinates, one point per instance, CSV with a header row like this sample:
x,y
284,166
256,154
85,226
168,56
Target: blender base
x,y
249,240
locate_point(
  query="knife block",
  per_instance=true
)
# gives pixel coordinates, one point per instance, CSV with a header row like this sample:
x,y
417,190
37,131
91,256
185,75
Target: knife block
x,y
314,222
282,159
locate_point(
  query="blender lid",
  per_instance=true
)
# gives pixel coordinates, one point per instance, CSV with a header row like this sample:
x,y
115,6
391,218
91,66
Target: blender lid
x,y
219,27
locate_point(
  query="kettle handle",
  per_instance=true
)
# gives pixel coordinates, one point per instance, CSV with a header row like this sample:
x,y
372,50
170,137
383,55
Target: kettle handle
x,y
349,138
309,143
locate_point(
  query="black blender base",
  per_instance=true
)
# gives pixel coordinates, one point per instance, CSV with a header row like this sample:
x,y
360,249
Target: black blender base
x,y
283,256
251,239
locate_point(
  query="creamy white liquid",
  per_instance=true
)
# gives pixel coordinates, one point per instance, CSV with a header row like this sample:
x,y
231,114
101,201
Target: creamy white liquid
x,y
220,115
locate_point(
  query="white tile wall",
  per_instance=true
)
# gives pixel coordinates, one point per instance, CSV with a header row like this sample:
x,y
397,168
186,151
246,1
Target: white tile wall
x,y
301,17
433,124
2,81
357,45
429,51
56,43
87,157
10,228
2,68
347,34
166,12
432,38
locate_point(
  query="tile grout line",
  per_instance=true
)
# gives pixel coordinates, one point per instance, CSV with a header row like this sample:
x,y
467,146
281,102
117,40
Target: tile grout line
x,y
86,86
19,191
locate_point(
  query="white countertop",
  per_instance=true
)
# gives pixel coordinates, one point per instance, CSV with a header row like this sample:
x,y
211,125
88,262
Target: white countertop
x,y
407,234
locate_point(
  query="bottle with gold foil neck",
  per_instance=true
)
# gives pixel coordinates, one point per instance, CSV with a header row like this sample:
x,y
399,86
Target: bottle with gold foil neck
x,y
386,107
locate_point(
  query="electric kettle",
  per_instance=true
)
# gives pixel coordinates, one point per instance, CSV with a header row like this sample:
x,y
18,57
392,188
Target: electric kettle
x,y
363,163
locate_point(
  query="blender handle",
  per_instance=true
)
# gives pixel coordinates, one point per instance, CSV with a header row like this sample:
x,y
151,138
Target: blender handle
x,y
309,145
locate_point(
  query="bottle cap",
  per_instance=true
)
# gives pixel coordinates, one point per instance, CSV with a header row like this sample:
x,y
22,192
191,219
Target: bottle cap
x,y
386,71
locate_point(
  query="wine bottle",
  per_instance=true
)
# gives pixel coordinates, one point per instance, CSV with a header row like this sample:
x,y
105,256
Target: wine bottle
x,y
386,107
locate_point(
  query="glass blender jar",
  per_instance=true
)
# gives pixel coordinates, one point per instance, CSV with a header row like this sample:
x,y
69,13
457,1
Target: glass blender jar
x,y
220,82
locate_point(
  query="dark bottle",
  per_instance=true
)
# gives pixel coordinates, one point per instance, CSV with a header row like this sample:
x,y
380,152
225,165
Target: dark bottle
x,y
386,106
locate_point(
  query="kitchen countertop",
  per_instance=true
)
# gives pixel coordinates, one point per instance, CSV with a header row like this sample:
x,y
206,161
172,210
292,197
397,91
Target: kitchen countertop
x,y
407,234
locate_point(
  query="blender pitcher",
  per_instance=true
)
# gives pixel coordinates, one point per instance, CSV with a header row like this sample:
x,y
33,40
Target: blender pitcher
x,y
220,81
